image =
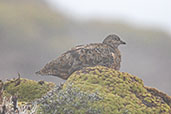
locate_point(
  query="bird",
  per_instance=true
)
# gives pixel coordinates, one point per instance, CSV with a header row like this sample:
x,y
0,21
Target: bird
x,y
105,54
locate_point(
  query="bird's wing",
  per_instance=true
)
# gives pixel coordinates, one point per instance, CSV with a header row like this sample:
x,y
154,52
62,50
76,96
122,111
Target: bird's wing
x,y
77,58
94,54
61,66
101,54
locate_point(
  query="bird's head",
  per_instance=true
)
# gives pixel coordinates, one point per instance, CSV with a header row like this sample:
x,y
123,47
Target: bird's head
x,y
113,40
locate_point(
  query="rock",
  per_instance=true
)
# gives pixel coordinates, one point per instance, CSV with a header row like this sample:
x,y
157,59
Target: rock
x,y
41,82
102,90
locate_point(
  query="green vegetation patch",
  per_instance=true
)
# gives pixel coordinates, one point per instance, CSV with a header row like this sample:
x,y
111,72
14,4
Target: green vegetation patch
x,y
101,90
122,93
26,90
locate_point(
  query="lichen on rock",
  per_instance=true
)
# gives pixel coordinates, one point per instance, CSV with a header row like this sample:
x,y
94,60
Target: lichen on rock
x,y
70,101
114,93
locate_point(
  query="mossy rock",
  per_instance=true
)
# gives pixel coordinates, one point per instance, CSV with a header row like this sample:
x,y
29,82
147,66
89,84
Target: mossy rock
x,y
121,93
26,90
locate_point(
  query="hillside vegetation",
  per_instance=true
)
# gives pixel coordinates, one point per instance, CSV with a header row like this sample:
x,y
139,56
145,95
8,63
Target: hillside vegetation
x,y
101,90
31,34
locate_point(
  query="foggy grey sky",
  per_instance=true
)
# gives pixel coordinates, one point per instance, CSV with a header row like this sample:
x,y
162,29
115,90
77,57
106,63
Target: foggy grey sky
x,y
141,12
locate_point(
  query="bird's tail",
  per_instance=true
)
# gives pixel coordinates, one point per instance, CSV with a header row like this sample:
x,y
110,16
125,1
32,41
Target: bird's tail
x,y
39,73
43,72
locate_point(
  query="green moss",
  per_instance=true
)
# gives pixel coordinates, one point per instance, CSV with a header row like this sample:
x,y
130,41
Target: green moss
x,y
121,92
27,90
101,90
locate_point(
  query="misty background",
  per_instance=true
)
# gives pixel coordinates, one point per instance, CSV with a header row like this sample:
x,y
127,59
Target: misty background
x,y
34,32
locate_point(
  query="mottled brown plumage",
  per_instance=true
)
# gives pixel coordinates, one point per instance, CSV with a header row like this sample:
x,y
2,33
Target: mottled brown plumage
x,y
105,54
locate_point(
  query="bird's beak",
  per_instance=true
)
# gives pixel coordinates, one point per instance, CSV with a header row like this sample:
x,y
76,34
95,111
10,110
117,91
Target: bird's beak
x,y
122,42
